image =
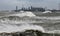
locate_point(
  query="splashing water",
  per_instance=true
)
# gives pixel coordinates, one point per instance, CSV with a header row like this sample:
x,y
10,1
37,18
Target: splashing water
x,y
12,24
22,27
22,14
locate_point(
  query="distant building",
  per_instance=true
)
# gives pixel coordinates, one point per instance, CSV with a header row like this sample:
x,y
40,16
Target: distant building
x,y
37,9
17,10
30,9
33,9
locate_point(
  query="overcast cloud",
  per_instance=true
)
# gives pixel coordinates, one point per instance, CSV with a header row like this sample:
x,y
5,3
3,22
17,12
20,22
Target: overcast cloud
x,y
11,4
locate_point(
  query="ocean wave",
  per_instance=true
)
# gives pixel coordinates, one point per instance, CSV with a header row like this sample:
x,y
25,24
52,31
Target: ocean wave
x,y
8,28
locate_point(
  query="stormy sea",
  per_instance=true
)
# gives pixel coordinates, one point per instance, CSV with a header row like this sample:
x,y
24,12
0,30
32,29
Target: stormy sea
x,y
26,23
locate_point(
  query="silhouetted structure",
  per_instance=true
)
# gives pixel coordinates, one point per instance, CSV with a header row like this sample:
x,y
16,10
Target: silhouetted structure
x,y
30,9
17,10
33,9
37,9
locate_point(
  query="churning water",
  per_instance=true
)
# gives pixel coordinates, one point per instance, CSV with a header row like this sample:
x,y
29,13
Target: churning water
x,y
21,21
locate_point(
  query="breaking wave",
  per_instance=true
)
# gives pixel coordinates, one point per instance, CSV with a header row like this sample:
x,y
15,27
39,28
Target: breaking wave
x,y
19,28
21,21
22,14
18,22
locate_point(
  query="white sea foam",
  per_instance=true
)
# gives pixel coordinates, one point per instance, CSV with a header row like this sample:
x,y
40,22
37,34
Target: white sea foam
x,y
9,26
47,12
54,31
13,28
22,14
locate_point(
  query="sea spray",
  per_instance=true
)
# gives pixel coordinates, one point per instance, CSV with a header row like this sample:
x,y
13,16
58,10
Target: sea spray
x,y
14,28
22,14
17,23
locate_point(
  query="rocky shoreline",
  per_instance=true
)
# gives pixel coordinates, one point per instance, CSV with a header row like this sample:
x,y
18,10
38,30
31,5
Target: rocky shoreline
x,y
29,33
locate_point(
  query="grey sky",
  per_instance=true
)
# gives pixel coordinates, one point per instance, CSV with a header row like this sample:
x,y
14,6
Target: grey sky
x,y
11,4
